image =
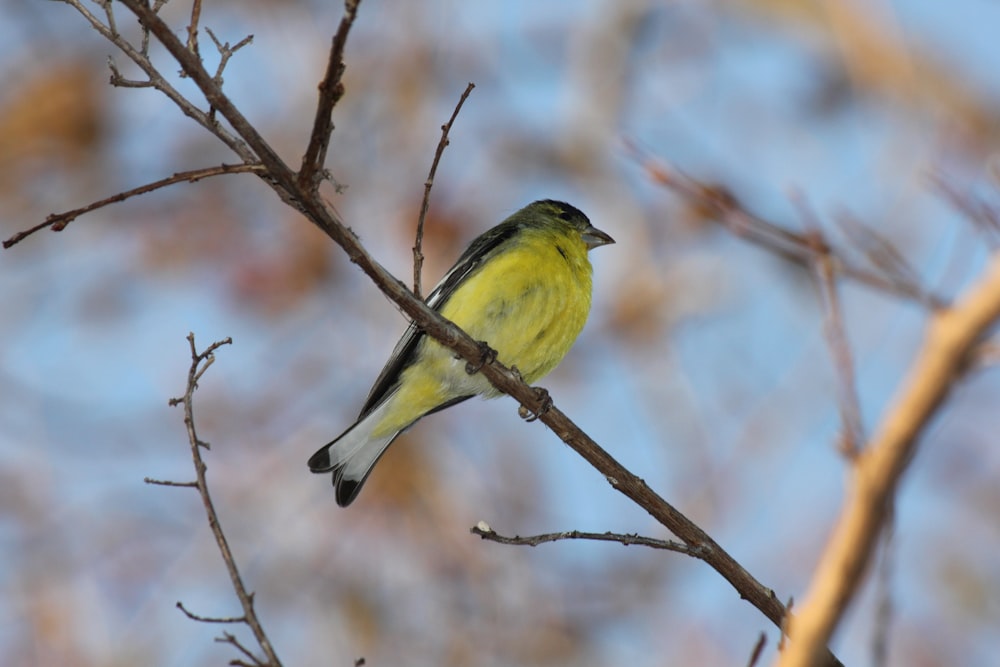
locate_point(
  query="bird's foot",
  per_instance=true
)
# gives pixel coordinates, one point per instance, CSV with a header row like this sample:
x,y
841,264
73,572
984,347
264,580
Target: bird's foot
x,y
487,355
542,396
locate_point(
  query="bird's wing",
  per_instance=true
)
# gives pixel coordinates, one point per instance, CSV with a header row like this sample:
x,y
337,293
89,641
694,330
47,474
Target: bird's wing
x,y
403,355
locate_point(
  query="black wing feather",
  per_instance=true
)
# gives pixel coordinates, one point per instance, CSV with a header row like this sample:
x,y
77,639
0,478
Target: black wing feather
x,y
403,355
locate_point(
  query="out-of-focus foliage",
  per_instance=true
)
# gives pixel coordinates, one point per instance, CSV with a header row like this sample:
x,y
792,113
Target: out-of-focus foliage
x,y
703,367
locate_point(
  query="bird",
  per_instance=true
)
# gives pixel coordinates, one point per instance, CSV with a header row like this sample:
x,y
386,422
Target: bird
x,y
523,288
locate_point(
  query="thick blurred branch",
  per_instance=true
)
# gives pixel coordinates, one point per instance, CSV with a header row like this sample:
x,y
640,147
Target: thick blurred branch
x,y
950,348
951,337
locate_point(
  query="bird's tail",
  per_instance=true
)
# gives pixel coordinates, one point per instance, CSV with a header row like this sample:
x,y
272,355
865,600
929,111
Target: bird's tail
x,y
352,456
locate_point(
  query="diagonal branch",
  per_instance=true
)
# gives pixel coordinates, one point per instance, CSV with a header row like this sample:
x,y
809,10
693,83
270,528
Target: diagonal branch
x,y
58,221
951,336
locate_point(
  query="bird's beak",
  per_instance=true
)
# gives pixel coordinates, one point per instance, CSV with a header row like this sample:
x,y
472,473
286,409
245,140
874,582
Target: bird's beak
x,y
594,237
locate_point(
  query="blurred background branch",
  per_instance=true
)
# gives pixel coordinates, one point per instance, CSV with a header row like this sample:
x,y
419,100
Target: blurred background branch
x,y
950,338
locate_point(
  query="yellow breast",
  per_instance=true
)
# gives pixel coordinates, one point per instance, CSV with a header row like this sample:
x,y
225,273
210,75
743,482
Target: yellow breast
x,y
529,303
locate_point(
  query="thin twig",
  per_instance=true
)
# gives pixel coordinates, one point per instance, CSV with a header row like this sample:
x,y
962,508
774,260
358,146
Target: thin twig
x,y
192,28
487,533
140,57
209,619
166,482
119,80
225,53
418,255
878,250
331,89
109,14
852,434
984,217
251,146
229,638
758,649
58,221
951,336
199,363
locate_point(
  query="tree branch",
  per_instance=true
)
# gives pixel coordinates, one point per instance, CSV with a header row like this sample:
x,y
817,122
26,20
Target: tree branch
x,y
758,649
199,364
717,203
418,255
58,221
140,57
951,336
483,530
331,89
824,270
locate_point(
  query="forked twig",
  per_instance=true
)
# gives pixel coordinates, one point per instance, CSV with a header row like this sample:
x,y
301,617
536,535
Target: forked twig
x,y
951,336
200,361
226,51
153,24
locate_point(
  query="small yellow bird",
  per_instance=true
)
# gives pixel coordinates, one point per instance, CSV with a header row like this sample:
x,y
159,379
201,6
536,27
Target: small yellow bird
x,y
523,287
